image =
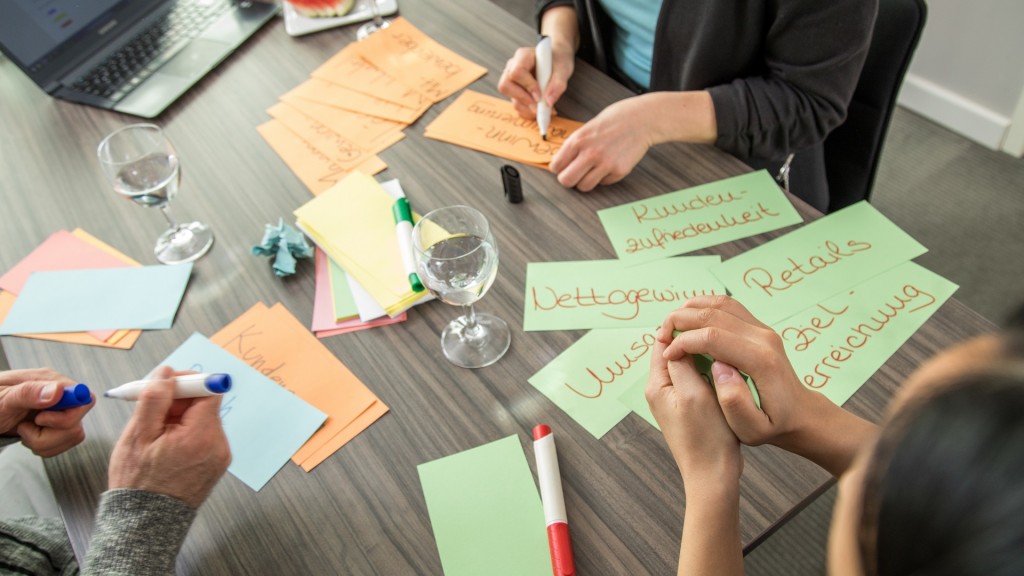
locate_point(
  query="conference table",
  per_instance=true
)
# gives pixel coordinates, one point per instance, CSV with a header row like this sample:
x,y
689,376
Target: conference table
x,y
362,511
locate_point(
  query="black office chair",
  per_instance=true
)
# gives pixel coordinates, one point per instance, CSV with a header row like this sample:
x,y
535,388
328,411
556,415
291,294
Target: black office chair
x,y
852,150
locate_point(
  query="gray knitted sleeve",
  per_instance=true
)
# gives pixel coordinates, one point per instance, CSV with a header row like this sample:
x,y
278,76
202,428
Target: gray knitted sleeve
x,y
137,533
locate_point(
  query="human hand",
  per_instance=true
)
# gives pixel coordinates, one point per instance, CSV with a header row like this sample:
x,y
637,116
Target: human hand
x,y
175,447
684,404
519,82
724,329
605,149
23,396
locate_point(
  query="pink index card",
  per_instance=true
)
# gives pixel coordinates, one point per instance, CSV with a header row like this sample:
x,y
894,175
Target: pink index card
x,y
61,251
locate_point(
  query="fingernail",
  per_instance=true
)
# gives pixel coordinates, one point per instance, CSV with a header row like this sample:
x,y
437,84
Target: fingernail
x,y
722,371
47,393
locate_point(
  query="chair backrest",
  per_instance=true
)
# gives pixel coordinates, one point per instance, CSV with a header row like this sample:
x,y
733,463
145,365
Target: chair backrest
x,y
852,150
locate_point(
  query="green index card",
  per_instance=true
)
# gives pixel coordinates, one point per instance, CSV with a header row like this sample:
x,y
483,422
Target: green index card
x,y
611,293
697,217
587,379
486,512
837,345
341,295
780,278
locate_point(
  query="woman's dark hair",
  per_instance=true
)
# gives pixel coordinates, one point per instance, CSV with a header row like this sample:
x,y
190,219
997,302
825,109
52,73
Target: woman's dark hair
x,y
944,492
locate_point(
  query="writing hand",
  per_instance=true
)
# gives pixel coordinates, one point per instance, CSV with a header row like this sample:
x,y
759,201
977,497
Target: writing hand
x,y
23,396
605,149
171,447
519,82
684,404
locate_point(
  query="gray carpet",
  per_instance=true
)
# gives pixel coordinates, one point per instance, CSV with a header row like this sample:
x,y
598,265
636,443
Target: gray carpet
x,y
966,204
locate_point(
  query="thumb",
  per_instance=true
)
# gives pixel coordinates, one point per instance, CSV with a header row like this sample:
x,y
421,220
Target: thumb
x,y
33,395
154,404
737,402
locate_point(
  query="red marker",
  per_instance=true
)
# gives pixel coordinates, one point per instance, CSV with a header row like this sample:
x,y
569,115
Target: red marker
x,y
554,506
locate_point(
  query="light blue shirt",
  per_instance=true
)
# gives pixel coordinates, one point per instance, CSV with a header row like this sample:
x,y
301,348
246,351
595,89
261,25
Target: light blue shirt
x,y
633,40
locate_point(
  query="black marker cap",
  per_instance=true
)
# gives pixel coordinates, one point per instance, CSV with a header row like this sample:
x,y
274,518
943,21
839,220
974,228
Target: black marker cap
x,y
513,186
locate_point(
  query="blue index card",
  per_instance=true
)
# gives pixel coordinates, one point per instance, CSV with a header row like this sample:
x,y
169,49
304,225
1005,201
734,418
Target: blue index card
x,y
265,423
143,297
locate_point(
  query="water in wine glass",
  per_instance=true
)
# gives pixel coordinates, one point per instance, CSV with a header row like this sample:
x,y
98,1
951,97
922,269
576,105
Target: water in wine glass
x,y
460,269
150,181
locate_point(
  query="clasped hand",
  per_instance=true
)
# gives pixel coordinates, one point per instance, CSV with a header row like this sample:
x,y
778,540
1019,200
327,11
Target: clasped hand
x,y
702,423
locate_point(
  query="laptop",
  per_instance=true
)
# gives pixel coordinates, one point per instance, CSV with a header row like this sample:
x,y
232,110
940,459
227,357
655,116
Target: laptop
x,y
133,56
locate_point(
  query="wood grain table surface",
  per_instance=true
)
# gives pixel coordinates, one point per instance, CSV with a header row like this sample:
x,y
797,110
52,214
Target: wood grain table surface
x,y
362,511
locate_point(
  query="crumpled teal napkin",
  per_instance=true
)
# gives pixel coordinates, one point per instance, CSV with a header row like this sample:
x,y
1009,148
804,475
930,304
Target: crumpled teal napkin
x,y
286,243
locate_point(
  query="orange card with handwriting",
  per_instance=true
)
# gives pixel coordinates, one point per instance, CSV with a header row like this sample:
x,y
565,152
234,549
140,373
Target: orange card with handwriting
x,y
274,342
348,69
325,92
374,134
492,125
345,151
418,61
317,170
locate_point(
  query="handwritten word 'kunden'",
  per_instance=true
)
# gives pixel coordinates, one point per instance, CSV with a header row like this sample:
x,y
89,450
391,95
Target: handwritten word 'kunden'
x,y
616,300
908,300
660,237
645,213
799,271
606,376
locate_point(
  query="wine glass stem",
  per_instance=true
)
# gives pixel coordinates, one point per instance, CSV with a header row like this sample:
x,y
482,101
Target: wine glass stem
x,y
471,331
166,211
377,20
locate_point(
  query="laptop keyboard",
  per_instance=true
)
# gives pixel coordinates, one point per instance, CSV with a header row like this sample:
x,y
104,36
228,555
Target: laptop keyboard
x,y
150,49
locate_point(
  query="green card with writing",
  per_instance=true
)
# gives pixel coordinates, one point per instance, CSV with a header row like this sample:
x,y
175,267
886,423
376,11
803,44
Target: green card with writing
x,y
634,397
485,511
780,278
611,293
837,345
587,379
698,217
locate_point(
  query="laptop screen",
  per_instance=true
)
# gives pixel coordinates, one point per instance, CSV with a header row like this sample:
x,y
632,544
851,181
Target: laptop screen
x,y
31,29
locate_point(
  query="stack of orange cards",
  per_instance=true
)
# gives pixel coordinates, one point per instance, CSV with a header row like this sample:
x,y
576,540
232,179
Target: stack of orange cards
x,y
358,102
273,341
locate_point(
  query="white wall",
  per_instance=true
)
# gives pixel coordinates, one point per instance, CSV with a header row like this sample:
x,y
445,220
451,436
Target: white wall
x,y
968,71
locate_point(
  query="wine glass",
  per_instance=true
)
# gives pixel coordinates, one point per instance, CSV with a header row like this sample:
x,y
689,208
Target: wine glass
x,y
141,165
374,25
457,260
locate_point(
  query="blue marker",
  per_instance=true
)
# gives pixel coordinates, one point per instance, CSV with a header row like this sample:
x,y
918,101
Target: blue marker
x,y
74,396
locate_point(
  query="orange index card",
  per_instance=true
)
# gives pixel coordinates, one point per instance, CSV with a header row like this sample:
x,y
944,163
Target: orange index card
x,y
325,92
317,170
348,69
346,152
492,125
273,341
362,422
417,60
374,134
